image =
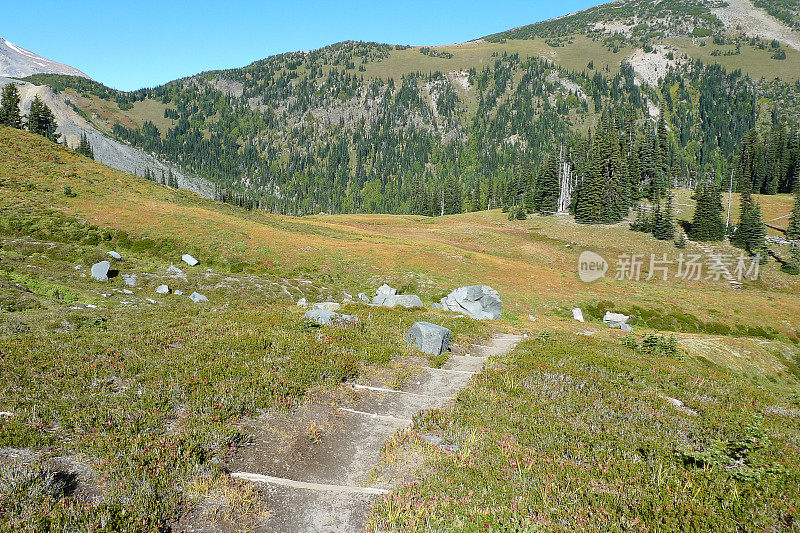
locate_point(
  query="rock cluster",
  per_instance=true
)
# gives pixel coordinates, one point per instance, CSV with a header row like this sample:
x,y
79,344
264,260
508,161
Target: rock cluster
x,y
480,302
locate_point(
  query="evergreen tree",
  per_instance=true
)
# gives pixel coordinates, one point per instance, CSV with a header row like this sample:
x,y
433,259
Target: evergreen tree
x,y
10,115
548,187
84,147
664,225
751,230
42,121
793,230
707,223
173,180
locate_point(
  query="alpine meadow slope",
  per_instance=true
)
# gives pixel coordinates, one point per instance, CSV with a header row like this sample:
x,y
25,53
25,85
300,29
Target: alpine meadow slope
x,y
189,389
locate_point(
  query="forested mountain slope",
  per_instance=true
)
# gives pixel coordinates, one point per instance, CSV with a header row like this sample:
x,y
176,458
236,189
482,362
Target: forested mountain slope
x,y
368,127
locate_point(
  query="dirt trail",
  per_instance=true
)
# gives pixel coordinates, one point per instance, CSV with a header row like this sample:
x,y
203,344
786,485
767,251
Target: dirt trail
x,y
325,486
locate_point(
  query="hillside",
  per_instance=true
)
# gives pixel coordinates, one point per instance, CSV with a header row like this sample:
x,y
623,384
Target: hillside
x,y
172,395
369,127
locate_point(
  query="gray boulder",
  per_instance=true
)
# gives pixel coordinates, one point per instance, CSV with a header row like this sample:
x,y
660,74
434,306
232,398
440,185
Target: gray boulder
x,y
394,300
429,338
615,320
385,289
115,255
162,289
327,306
189,260
577,314
480,302
198,298
324,317
364,298
100,270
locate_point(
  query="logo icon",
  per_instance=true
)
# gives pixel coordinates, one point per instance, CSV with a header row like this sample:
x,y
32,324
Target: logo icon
x,y
591,266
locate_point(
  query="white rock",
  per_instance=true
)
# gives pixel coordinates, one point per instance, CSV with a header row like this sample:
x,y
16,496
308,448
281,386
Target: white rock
x,y
615,320
162,289
302,302
174,271
198,298
178,293
385,289
189,260
115,255
100,270
577,314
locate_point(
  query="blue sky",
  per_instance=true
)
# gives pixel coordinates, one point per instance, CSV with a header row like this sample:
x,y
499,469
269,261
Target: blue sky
x,y
141,43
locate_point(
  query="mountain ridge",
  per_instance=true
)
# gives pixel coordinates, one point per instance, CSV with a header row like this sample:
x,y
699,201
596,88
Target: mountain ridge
x,y
17,62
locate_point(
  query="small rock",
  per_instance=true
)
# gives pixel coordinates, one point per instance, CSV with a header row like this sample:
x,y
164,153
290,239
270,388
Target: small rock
x,y
436,305
91,306
429,338
150,300
189,260
174,271
197,297
532,318
615,320
106,295
327,306
100,270
78,267
115,255
577,314
302,302
162,289
393,300
129,279
127,291
385,289
325,317
178,293
364,298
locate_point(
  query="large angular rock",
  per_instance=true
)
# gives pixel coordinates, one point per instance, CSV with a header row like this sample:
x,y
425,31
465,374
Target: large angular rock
x,y
100,270
393,300
429,338
615,320
197,298
189,260
480,302
385,289
577,314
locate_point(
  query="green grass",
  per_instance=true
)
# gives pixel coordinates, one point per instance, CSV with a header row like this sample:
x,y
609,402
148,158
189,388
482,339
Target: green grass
x,y
573,434
151,397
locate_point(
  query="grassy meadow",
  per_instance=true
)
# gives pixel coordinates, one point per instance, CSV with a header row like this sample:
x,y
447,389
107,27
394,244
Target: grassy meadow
x,y
120,408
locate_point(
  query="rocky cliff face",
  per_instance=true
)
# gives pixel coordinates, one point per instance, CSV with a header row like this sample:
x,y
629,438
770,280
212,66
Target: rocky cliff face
x,y
16,62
